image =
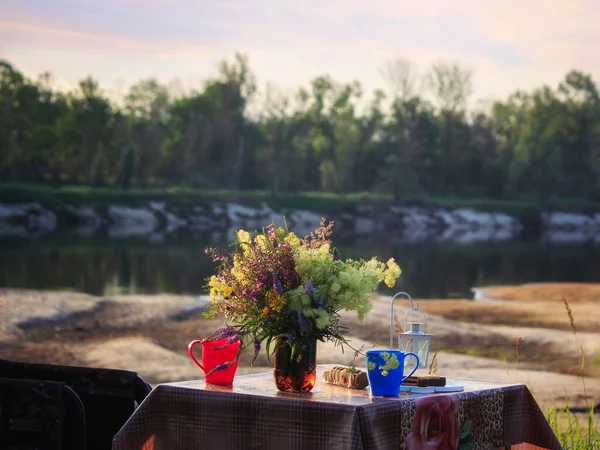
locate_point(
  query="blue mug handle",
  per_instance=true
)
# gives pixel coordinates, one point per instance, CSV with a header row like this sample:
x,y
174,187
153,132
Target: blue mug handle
x,y
414,370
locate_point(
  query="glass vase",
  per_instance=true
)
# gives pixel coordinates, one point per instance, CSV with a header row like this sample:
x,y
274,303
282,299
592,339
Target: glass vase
x,y
297,373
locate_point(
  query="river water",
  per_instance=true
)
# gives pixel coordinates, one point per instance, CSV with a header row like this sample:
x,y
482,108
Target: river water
x,y
176,263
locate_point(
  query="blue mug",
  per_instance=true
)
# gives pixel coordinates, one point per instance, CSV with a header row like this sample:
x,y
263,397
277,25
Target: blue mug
x,y
385,371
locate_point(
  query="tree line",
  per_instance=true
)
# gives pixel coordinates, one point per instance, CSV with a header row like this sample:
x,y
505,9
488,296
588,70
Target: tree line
x,y
416,138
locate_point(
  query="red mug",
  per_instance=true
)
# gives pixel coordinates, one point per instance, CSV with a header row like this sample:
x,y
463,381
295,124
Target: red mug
x,y
213,355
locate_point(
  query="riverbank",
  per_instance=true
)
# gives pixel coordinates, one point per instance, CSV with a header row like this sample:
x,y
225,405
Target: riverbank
x,y
27,209
149,334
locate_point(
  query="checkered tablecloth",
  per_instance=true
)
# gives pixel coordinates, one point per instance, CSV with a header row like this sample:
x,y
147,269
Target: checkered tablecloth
x,y
254,415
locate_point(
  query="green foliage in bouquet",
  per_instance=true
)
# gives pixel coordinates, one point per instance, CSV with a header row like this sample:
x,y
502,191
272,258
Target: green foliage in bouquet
x,y
275,286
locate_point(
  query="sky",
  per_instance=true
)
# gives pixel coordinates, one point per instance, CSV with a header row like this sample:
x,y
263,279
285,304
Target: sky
x,y
508,44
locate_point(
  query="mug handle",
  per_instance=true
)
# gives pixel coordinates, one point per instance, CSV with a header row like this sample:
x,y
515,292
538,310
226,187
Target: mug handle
x,y
414,370
191,353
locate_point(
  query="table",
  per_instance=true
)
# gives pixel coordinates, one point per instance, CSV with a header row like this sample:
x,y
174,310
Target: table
x,y
252,414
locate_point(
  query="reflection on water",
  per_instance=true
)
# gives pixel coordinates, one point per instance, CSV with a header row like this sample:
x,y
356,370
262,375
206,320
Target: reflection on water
x,y
104,266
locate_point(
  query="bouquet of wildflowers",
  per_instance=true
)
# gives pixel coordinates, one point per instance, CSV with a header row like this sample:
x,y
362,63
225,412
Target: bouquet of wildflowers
x,y
278,288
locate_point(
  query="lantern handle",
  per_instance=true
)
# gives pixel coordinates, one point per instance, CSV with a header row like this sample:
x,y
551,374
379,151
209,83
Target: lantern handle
x,y
392,314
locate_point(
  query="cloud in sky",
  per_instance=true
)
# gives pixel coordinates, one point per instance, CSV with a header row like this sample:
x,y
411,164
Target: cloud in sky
x,y
510,44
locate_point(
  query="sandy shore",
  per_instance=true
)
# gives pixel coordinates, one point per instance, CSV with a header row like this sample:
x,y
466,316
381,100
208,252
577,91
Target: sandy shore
x,y
149,334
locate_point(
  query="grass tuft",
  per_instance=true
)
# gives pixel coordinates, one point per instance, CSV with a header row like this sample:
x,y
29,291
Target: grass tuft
x,y
575,431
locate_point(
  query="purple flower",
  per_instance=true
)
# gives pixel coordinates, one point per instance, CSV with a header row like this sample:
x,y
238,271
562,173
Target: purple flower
x,y
230,334
304,325
215,255
226,332
251,294
311,291
320,301
263,278
271,232
256,343
220,367
277,283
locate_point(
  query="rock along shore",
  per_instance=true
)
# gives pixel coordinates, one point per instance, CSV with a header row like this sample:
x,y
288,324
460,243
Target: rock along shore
x,y
411,224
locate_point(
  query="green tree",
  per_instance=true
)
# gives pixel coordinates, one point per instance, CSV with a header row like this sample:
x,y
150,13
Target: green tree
x,y
146,106
540,144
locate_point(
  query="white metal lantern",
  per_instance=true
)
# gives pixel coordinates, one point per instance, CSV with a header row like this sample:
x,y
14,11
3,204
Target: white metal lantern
x,y
414,338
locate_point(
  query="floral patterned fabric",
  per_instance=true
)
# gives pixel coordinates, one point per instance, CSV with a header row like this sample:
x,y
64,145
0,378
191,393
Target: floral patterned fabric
x,y
466,421
435,424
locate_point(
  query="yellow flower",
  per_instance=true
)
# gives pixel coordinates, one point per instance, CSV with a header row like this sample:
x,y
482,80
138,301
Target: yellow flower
x,y
293,240
392,273
324,249
245,241
262,241
237,271
219,289
243,237
276,301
